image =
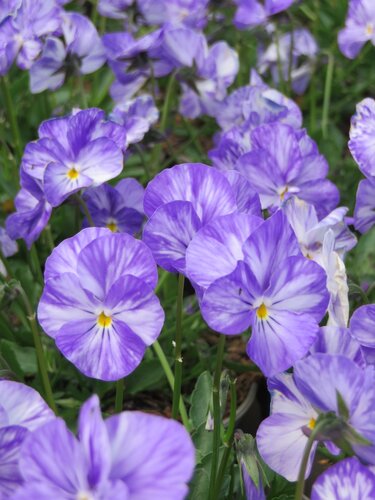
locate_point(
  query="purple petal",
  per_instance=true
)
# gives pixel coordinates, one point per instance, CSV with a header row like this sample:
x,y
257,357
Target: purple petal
x,y
169,232
58,185
216,248
153,455
11,439
364,212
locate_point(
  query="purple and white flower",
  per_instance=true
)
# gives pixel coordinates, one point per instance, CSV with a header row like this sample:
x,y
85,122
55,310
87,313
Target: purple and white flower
x,y
251,13
344,480
75,152
364,211
284,162
114,9
362,327
105,327
178,202
359,28
22,410
362,136
275,290
191,13
132,455
118,208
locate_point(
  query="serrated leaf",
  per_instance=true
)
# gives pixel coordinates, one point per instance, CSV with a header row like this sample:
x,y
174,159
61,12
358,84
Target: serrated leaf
x,y
200,399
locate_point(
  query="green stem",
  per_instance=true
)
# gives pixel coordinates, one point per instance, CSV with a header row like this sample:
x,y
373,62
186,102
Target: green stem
x,y
167,102
306,454
168,373
119,401
217,415
327,94
49,237
178,347
228,439
39,350
12,117
143,161
163,277
36,264
82,92
85,210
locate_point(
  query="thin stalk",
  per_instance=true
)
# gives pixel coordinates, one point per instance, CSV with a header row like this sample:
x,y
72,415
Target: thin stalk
x,y
178,347
164,276
228,439
167,102
306,454
49,237
217,415
11,112
327,94
39,350
143,161
85,209
168,373
36,264
119,400
82,92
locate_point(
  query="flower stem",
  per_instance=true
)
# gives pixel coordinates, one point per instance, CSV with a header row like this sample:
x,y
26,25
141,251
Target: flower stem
x,y
217,415
49,237
167,102
168,373
35,262
327,94
119,401
39,349
228,439
306,454
12,117
178,347
85,209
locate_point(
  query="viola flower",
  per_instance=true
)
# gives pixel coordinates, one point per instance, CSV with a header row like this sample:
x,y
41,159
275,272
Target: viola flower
x,y
114,9
362,134
247,199
74,152
295,54
256,104
346,479
33,211
136,116
284,162
190,13
299,399
282,437
310,231
118,208
362,327
8,8
216,69
82,53
216,248
359,28
130,455
179,201
275,290
22,410
105,327
21,33
8,246
364,211
251,13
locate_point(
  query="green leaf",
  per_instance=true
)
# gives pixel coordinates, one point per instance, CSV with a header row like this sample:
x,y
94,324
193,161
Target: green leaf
x,y
200,399
149,375
341,406
21,359
203,441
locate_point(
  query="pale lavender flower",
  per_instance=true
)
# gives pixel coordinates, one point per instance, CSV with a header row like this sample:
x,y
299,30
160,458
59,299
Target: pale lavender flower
x,y
364,211
276,291
191,13
362,327
359,27
105,327
132,455
21,33
118,208
114,9
22,410
348,479
362,136
251,13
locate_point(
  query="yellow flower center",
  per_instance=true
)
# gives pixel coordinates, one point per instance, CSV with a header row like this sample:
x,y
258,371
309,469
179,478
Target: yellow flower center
x,y
262,312
104,321
112,226
369,29
283,193
72,174
311,424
